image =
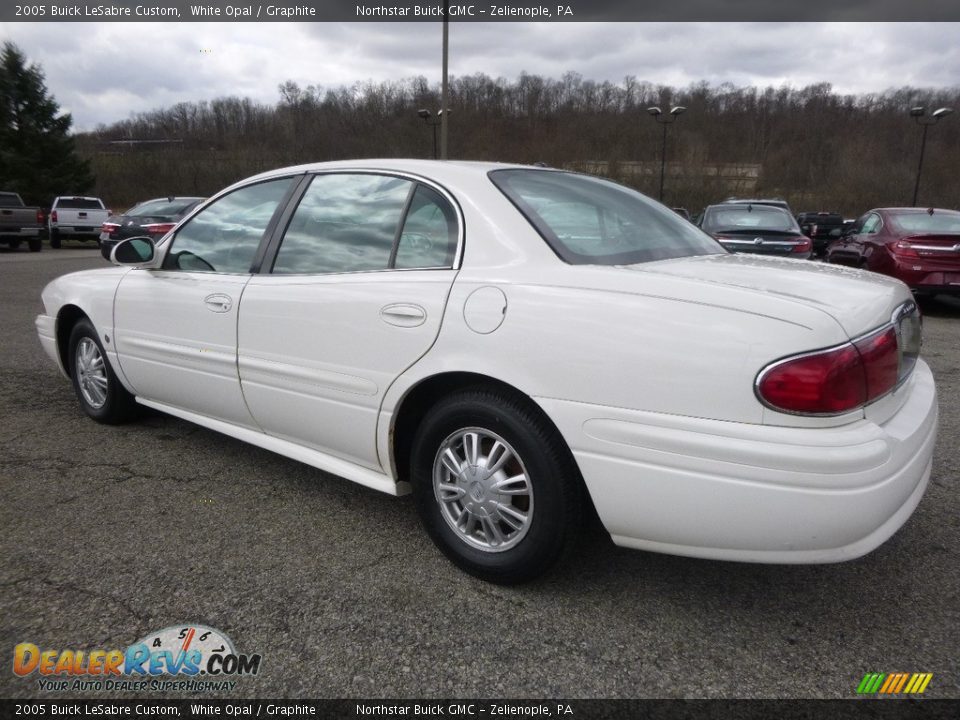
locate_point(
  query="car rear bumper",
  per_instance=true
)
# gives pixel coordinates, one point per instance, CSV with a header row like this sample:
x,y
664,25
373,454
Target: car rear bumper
x,y
89,231
19,233
929,280
732,491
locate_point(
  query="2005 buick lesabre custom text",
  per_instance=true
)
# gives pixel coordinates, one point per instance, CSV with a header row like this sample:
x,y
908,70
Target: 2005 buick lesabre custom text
x,y
513,344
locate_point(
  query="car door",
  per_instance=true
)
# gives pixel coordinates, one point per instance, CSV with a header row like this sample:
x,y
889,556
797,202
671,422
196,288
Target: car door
x,y
848,250
864,241
176,327
353,295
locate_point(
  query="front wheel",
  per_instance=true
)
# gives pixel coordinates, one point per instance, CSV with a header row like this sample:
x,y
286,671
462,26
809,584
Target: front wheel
x,y
495,486
100,393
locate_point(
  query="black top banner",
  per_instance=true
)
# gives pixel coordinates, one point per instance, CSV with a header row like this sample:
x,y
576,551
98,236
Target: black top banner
x,y
523,11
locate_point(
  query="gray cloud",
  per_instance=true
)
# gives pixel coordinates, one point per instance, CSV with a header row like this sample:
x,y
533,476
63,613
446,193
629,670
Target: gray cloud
x,y
112,70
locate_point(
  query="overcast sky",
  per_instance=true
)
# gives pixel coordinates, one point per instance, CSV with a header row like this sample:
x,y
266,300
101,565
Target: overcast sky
x,y
104,72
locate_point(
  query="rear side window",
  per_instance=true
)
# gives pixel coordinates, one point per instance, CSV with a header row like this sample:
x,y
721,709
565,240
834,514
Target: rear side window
x,y
871,225
80,203
587,220
429,236
366,222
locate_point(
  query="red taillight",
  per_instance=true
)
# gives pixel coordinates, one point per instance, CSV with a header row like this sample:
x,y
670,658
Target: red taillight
x,y
881,362
827,382
833,381
158,228
905,249
53,216
39,217
109,227
803,246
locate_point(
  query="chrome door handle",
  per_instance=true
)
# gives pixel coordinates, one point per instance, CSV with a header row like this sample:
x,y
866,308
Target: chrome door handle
x,y
403,315
218,302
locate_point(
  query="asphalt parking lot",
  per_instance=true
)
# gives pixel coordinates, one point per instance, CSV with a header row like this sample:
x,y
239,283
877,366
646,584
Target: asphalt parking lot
x,y
112,533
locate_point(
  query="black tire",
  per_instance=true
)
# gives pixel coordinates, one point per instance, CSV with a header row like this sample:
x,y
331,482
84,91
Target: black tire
x,y
55,239
117,404
552,504
35,244
13,244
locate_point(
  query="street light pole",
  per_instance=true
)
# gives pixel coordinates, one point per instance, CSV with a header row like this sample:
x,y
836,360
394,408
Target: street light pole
x,y
919,114
444,85
434,121
664,120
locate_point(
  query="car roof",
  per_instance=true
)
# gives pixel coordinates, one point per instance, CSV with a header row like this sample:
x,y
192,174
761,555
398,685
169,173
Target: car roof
x,y
913,210
761,205
434,169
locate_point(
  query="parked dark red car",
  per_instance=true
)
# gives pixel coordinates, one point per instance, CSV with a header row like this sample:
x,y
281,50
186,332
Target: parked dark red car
x,y
919,246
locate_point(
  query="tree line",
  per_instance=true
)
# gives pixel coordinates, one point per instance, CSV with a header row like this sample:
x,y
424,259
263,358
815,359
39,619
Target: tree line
x,y
819,149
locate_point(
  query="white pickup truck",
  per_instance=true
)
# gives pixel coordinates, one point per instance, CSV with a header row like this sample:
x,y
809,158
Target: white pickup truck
x,y
76,217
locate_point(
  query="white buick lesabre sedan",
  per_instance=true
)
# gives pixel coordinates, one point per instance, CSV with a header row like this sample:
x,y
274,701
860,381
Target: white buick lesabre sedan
x,y
513,345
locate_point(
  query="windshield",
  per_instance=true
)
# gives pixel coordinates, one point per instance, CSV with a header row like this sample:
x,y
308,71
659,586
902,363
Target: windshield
x,y
587,220
924,223
748,218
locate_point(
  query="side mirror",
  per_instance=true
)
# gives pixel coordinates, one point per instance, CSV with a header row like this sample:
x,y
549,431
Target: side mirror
x,y
134,252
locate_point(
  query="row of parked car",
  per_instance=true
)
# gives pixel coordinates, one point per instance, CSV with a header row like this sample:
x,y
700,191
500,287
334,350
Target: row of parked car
x,y
920,246
72,217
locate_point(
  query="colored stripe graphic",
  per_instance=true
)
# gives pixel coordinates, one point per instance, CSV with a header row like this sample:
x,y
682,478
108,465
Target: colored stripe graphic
x,y
894,683
870,683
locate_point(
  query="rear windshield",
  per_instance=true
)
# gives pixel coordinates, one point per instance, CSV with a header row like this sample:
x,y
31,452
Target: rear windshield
x,y
80,203
730,218
925,223
163,207
587,220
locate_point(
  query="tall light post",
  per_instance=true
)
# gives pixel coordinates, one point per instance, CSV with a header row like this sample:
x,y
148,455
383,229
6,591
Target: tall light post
x,y
919,114
665,120
434,122
444,82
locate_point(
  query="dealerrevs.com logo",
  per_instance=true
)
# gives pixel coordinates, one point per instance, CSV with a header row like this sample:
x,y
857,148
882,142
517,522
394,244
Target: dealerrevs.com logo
x,y
894,683
188,658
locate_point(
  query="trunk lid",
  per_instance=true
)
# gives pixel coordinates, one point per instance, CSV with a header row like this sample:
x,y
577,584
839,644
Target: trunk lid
x,y
862,302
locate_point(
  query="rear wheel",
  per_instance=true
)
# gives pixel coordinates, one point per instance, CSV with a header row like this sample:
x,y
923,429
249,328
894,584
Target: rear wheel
x,y
495,486
55,239
100,393
13,244
36,244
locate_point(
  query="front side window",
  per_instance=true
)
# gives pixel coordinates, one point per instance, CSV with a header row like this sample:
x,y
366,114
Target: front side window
x,y
225,235
587,220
